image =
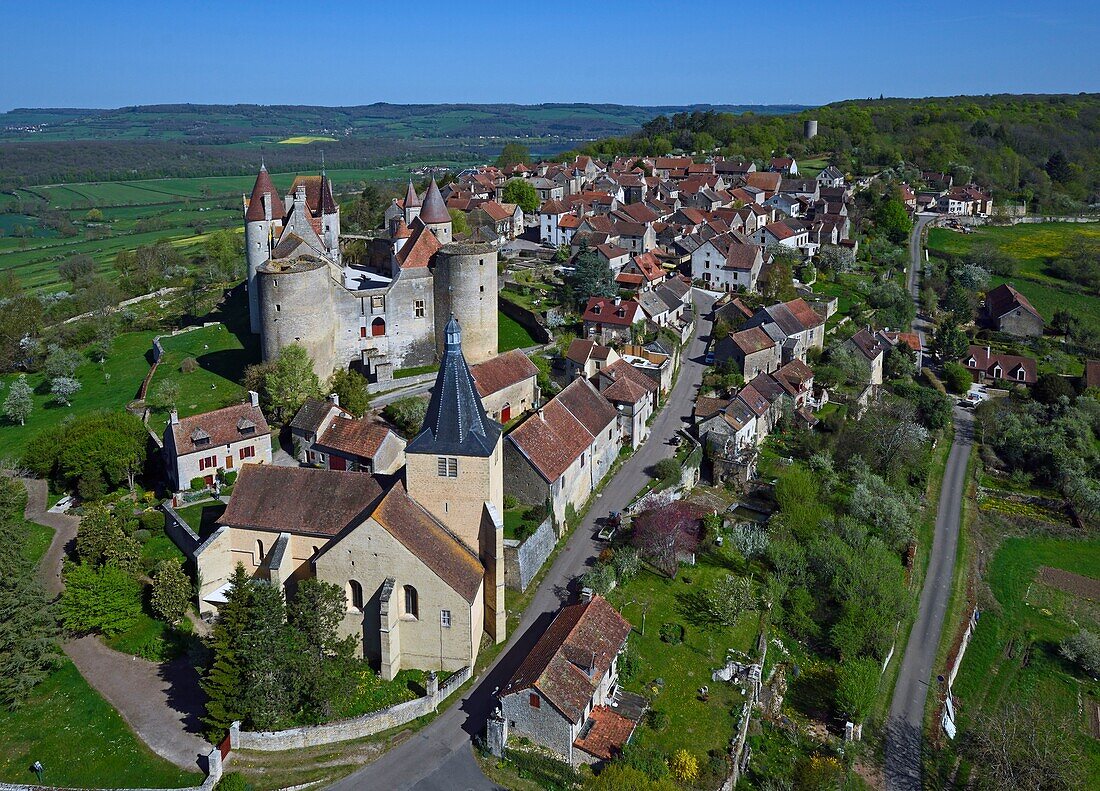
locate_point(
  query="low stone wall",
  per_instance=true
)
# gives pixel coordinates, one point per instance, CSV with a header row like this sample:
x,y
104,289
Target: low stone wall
x,y
346,730
522,560
525,319
180,532
213,775
401,383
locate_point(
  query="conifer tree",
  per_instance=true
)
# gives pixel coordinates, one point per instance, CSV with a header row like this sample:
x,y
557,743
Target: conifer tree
x,y
223,682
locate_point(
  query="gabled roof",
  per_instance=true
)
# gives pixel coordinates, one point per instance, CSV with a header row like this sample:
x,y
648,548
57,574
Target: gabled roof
x,y
1004,298
752,340
867,344
435,546
604,310
434,209
551,439
299,500
569,661
502,371
586,404
707,407
794,316
649,266
312,414
362,437
220,427
794,376
1009,365
579,350
627,385
417,252
455,423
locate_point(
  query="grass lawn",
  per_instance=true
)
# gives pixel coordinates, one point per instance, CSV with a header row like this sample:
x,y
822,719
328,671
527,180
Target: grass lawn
x,y
36,540
512,335
80,740
420,370
110,386
202,517
687,666
1014,653
1031,245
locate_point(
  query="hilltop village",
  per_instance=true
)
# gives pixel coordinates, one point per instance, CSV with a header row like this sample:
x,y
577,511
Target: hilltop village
x,y
711,394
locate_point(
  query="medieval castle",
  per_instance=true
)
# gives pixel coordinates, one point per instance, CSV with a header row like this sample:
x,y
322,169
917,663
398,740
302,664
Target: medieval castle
x,y
383,311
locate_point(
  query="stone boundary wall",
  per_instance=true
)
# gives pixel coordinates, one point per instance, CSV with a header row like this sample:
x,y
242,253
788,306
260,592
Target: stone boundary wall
x,y
180,532
522,560
525,319
739,755
345,730
401,383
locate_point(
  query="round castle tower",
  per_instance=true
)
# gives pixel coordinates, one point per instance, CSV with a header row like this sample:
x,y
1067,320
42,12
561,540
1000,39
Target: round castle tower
x,y
435,216
466,286
297,307
263,216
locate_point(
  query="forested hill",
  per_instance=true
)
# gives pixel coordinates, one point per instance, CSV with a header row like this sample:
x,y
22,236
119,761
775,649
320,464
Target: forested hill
x,y
1043,148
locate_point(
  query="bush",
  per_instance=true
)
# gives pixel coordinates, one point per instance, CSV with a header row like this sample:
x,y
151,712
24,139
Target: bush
x,y
684,766
1083,649
656,719
189,365
171,591
141,536
956,377
629,664
672,633
666,469
197,484
600,578
151,521
510,502
228,477
106,600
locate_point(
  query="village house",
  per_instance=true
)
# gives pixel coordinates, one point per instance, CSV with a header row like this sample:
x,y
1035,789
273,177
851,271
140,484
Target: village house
x,y
634,396
869,350
785,165
643,272
1007,310
799,325
610,319
752,351
781,233
910,340
202,446
365,444
585,357
564,695
507,384
831,176
657,365
985,366
562,451
309,422
727,262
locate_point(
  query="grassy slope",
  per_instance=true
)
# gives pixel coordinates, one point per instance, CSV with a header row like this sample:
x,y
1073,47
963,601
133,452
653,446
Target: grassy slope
x,y
993,671
511,335
1030,245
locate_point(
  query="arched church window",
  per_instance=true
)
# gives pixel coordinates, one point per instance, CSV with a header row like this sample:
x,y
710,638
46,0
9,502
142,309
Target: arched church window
x,y
412,602
259,551
355,595
378,327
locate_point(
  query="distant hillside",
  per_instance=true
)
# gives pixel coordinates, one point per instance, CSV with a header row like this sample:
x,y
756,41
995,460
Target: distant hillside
x,y
223,124
45,146
1044,149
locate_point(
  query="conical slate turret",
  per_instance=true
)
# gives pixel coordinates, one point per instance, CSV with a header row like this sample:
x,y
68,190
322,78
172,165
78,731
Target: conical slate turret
x,y
455,423
434,209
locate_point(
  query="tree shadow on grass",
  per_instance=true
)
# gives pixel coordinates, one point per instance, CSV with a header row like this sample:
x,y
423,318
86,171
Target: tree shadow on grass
x,y
229,363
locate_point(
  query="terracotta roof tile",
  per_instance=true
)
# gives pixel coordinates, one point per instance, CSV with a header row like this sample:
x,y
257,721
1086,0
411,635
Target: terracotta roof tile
x,y
418,250
220,427
502,371
362,437
586,404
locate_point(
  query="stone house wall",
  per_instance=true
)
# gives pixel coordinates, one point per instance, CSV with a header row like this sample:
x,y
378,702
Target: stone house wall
x,y
522,560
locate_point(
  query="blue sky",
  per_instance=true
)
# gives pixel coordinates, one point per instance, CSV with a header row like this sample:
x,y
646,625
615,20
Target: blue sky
x,y
104,53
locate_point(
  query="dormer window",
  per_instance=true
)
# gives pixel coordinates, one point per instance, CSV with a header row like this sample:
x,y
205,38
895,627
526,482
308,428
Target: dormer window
x,y
246,426
200,437
596,309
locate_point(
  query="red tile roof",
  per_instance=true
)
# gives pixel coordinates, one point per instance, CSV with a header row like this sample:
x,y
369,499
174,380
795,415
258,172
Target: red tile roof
x,y
551,439
1009,365
628,384
255,208
299,500
586,404
603,310
568,662
1005,298
753,340
361,438
609,732
502,371
418,250
220,427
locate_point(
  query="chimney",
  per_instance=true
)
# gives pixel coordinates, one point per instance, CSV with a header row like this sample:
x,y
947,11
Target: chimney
x,y
254,398
300,195
618,299
334,398
175,418
988,353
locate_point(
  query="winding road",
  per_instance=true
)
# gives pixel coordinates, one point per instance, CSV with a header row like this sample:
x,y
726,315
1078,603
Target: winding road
x,y
904,728
439,757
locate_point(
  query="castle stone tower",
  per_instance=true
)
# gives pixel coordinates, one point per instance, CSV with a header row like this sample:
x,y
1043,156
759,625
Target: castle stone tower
x,y
434,214
454,469
412,204
330,220
466,286
297,307
263,218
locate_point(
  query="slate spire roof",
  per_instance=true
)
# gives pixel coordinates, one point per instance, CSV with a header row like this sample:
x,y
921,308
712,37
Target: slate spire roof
x,y
411,198
255,209
455,423
434,209
328,203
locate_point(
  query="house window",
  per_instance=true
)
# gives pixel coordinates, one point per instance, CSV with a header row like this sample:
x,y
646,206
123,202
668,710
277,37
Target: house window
x,y
259,551
247,452
378,327
446,467
362,332
535,701
445,619
582,461
412,602
355,595
207,462
278,308
419,308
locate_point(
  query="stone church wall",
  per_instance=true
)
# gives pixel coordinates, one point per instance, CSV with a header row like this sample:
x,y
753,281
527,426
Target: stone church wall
x,y
522,560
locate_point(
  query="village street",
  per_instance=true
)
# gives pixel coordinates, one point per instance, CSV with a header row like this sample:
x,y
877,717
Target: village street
x,y
439,757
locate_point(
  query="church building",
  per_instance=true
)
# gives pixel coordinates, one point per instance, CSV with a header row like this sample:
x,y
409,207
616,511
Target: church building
x,y
419,555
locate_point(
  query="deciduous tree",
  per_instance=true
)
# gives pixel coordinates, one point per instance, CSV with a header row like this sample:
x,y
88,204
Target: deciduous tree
x,y
18,403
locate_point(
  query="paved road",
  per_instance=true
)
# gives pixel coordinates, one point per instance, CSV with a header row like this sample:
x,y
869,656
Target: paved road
x,y
916,265
162,703
439,757
904,729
